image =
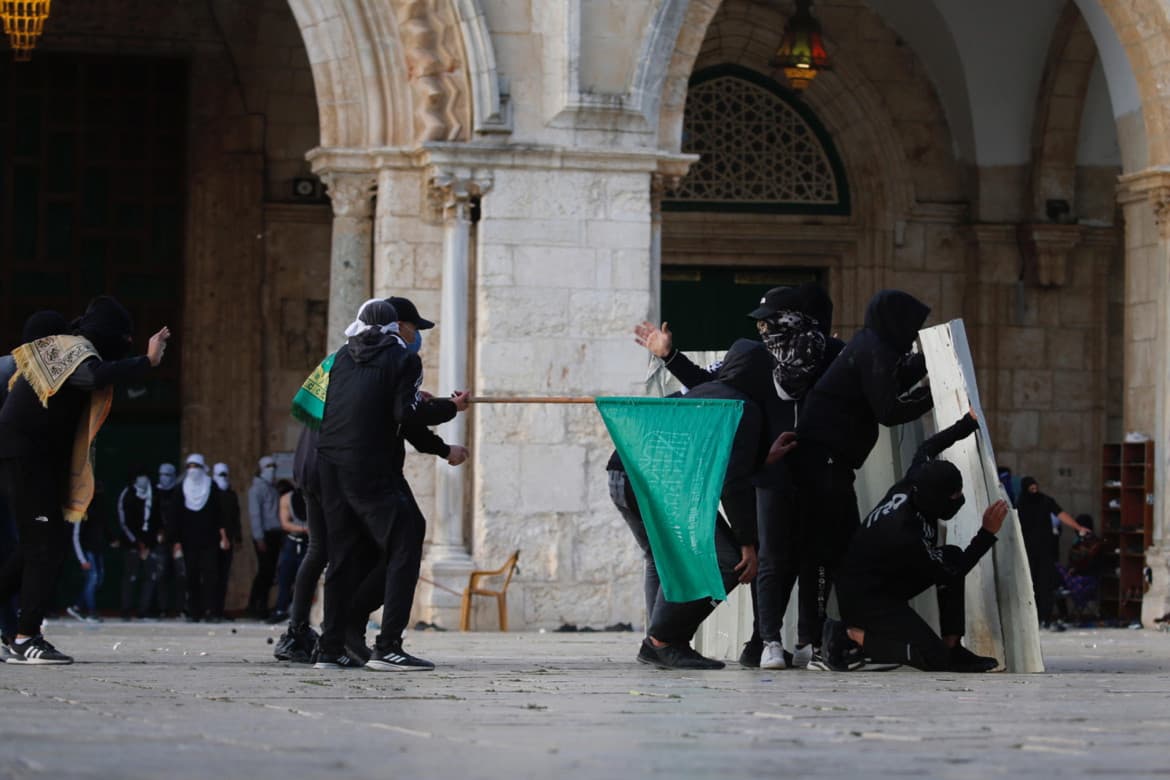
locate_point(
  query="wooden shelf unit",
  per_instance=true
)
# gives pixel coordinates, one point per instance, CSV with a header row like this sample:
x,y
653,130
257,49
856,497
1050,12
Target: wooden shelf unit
x,y
1126,526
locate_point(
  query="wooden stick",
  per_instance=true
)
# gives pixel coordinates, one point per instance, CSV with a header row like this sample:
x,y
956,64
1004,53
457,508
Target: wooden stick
x,y
519,399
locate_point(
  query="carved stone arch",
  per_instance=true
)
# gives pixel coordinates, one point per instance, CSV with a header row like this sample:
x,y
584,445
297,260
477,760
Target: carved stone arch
x,y
400,72
1060,105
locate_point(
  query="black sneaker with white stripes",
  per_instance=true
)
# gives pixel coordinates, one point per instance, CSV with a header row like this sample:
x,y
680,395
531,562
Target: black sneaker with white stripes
x,y
395,659
36,651
342,660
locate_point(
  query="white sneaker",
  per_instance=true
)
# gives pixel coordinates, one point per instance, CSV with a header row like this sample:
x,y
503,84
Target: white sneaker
x,y
773,656
802,656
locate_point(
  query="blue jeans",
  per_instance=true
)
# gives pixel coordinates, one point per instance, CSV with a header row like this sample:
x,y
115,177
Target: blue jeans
x,y
286,570
93,581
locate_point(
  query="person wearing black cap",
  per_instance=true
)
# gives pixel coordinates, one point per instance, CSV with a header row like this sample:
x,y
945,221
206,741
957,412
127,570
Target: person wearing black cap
x,y
795,324
62,382
895,556
372,397
872,381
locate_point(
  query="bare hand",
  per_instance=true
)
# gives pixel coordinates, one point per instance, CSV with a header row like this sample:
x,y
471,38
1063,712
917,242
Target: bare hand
x,y
424,395
86,565
142,552
748,564
660,341
783,445
158,346
457,455
994,516
972,415
462,400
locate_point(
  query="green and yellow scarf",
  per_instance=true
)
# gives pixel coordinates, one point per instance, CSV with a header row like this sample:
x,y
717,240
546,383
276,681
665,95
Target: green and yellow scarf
x,y
308,405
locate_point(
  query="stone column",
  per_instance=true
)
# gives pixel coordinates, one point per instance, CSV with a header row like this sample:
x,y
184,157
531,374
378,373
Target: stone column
x,y
1145,197
350,276
447,559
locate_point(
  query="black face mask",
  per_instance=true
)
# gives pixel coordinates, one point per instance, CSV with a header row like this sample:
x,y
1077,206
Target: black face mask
x,y
933,486
107,325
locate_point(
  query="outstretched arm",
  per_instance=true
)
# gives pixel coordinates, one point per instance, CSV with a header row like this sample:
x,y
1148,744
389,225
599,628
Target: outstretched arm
x,y
660,343
930,449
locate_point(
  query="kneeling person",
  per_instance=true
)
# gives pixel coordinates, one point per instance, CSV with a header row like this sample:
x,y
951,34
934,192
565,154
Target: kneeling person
x,y
895,556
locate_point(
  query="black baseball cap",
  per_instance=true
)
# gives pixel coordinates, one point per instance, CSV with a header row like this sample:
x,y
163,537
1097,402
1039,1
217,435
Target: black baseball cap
x,y
776,299
407,312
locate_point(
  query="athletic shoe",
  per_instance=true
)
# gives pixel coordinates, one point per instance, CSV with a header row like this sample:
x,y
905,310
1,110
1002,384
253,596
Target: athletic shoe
x,y
775,657
5,650
964,661
330,661
750,657
359,652
296,644
802,656
680,656
92,619
839,652
395,659
75,613
36,651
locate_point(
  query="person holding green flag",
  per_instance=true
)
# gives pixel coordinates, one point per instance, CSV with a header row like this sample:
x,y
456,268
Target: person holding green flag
x,y
745,376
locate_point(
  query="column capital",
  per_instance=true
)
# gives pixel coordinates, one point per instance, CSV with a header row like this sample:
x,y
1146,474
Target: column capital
x,y
350,192
1153,185
450,190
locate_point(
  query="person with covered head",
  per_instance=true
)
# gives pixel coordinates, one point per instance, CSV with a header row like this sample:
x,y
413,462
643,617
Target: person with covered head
x,y
140,531
267,536
231,525
59,398
794,324
895,556
871,382
196,535
373,397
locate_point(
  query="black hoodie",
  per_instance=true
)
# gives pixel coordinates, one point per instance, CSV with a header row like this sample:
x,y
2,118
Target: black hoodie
x,y
868,383
372,400
745,375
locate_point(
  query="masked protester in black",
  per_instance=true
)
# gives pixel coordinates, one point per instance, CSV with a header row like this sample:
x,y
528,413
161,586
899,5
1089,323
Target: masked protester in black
x,y
869,383
36,444
895,556
794,325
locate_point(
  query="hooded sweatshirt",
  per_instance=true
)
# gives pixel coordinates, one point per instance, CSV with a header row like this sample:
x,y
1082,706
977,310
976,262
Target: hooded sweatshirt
x,y
869,381
373,398
895,554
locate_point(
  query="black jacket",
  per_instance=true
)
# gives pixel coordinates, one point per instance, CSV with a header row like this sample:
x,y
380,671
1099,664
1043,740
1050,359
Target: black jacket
x,y
134,527
868,382
27,428
745,375
230,504
196,529
781,415
373,403
895,553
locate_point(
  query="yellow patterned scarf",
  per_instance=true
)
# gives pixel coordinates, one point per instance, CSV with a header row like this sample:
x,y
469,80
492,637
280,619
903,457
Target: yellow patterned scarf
x,y
46,364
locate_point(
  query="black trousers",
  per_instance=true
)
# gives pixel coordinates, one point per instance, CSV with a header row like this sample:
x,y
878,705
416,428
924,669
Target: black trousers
x,y
265,571
779,518
36,492
361,508
895,634
670,621
313,563
202,560
224,567
1043,570
828,520
135,576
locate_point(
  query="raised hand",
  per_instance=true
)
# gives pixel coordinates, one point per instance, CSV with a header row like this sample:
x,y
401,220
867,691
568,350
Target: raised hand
x,y
158,346
994,516
660,341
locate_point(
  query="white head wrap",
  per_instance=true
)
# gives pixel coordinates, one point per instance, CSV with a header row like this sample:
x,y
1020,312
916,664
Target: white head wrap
x,y
357,327
197,483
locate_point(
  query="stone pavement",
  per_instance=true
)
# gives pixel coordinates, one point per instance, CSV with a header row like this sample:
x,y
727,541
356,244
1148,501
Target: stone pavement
x,y
178,700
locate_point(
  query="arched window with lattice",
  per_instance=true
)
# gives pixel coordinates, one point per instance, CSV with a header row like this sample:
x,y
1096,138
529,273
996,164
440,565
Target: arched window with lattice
x,y
760,149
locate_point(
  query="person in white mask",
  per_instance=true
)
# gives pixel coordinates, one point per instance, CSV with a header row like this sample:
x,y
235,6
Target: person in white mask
x,y
197,535
231,525
267,536
139,530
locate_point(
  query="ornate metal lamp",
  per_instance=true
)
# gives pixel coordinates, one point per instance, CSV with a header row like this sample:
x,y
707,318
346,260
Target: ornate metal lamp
x,y
802,50
24,21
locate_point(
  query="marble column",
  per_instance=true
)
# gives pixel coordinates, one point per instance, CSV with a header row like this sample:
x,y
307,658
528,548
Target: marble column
x,y
350,267
447,559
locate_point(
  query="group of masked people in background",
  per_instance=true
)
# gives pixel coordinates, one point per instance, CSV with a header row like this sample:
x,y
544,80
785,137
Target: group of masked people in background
x,y
811,409
359,408
57,387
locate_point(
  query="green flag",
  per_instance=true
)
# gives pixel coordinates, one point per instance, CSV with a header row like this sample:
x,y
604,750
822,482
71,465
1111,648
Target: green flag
x,y
308,404
675,451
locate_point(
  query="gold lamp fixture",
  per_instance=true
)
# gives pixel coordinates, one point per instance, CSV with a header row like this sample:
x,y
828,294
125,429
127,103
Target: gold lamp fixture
x,y
24,21
802,52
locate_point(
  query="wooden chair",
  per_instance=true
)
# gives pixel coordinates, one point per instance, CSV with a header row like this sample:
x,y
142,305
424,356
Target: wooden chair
x,y
501,595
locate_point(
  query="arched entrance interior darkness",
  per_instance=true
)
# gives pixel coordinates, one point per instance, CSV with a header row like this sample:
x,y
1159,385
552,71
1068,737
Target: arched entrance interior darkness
x,y
762,152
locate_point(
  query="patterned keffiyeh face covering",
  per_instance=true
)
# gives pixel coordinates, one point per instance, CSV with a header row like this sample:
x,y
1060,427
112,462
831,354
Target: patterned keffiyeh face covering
x,y
798,346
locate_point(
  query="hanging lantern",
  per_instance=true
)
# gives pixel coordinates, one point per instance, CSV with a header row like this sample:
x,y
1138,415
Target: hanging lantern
x,y
802,50
24,21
